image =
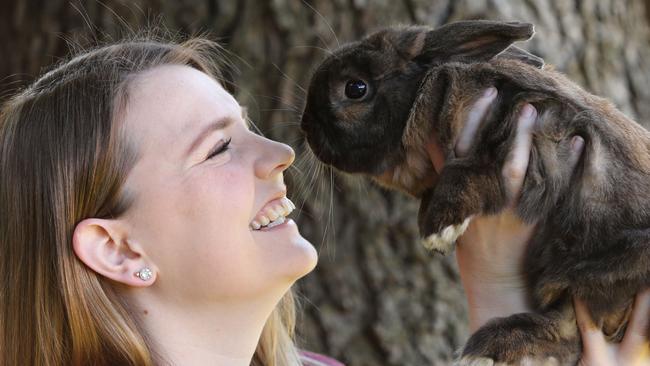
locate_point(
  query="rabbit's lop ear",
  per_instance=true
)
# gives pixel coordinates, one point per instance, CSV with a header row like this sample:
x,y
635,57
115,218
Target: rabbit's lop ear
x,y
472,41
408,42
516,53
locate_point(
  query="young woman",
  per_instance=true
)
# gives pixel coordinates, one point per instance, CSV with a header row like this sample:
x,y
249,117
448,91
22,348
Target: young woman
x,y
143,223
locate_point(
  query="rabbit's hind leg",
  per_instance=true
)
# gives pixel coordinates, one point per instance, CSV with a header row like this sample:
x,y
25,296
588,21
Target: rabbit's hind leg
x,y
526,339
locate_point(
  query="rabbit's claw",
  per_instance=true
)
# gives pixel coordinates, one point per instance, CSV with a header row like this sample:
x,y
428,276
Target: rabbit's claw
x,y
443,241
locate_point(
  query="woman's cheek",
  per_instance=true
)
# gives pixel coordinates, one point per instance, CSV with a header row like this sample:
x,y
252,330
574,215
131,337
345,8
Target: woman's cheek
x,y
236,190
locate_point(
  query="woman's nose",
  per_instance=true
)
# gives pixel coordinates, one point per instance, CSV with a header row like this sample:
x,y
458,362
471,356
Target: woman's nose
x,y
274,158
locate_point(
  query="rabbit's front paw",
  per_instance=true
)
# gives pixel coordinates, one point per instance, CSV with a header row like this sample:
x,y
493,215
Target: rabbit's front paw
x,y
443,241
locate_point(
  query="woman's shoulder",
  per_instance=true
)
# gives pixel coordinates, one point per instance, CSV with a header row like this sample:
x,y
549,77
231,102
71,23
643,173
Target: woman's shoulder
x,y
316,359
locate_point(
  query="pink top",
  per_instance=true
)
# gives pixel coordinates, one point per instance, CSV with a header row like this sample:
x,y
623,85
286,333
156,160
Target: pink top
x,y
324,360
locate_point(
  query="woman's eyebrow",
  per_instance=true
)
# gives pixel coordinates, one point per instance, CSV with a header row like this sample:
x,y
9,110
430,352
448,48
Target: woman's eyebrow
x,y
211,127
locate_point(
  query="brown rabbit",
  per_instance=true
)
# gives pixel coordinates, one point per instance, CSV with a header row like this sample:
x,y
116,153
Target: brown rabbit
x,y
372,106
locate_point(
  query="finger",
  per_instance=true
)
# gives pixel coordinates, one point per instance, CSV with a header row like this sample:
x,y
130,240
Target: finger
x,y
593,341
514,169
635,343
577,145
474,118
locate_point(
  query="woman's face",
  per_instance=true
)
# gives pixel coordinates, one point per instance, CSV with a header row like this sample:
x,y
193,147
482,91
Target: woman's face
x,y
192,213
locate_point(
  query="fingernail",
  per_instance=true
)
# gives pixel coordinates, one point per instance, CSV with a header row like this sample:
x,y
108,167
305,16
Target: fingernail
x,y
527,111
489,91
646,293
644,297
577,143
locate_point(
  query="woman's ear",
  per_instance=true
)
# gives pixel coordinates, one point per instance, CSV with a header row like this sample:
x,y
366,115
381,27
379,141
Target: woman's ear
x,y
472,40
102,246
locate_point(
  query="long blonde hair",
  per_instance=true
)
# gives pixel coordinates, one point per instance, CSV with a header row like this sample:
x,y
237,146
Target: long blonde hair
x,y
63,158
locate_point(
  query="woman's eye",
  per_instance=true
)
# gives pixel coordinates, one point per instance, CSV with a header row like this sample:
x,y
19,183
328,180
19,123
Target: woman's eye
x,y
218,149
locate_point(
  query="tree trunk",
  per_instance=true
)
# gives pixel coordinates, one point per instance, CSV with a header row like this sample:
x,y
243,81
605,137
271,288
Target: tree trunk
x,y
377,297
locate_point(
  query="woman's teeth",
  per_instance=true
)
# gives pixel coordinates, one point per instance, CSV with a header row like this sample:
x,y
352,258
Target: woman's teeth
x,y
273,214
276,222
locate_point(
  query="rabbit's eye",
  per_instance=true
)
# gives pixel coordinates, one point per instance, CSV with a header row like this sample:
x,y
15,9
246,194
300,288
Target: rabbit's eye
x,y
355,89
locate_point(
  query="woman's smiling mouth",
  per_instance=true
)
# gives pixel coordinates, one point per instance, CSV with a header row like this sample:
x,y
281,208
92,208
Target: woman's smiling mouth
x,y
272,214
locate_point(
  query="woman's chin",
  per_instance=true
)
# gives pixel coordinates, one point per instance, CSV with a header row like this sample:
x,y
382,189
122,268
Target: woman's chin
x,y
305,257
288,247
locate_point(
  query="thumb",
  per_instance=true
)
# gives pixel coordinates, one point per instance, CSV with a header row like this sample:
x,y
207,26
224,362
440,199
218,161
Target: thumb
x,y
594,345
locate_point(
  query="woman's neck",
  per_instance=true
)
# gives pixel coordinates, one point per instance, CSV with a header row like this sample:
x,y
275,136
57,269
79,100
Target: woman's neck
x,y
214,334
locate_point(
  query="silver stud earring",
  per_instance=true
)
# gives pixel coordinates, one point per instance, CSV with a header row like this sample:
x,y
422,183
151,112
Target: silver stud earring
x,y
144,274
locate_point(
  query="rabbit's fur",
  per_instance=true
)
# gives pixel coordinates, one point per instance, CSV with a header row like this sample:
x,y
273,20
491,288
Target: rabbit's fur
x,y
593,222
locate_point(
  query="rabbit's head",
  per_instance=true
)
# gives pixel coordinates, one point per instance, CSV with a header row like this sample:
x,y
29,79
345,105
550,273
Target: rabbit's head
x,y
360,96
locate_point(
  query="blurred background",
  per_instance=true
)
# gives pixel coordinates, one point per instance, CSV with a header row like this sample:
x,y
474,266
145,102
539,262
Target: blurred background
x,y
377,297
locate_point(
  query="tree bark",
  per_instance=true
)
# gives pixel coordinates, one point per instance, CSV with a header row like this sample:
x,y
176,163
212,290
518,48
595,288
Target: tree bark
x,y
377,297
